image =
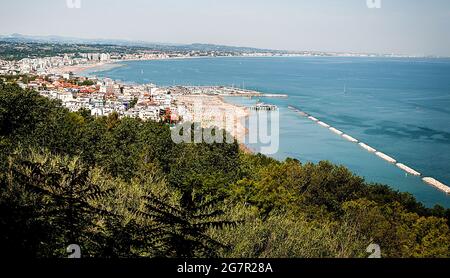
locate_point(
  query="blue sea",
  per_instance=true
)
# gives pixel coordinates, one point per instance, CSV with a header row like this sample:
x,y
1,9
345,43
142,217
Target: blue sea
x,y
400,106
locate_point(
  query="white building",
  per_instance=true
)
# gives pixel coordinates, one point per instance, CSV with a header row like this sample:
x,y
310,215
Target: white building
x,y
65,97
105,57
149,114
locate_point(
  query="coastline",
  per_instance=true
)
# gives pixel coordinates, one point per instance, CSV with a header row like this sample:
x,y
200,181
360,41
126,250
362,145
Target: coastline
x,y
214,111
242,146
209,117
78,69
99,66
216,108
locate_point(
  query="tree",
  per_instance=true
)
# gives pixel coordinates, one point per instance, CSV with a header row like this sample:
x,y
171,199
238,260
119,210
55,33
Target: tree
x,y
285,235
132,103
59,191
118,149
123,188
274,186
214,167
178,226
21,111
86,82
398,232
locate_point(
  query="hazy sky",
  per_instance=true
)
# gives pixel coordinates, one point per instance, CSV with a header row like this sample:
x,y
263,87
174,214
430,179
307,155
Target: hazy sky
x,y
399,26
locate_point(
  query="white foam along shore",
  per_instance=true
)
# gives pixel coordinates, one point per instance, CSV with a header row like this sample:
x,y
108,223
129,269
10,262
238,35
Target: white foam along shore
x,y
431,181
439,185
367,147
386,157
408,170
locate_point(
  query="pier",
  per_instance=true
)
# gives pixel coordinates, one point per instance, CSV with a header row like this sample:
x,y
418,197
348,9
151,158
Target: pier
x,y
229,91
274,95
264,107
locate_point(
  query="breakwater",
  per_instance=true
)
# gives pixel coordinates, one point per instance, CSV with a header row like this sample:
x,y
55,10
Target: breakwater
x,y
439,185
386,157
408,170
367,148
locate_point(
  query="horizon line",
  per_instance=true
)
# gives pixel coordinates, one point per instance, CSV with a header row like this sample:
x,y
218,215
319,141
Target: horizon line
x,y
139,41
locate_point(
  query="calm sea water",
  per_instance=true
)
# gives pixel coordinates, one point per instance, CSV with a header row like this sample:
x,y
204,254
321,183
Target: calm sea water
x,y
399,106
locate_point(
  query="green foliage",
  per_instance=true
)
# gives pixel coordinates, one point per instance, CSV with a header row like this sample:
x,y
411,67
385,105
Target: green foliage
x,y
274,187
133,103
399,233
123,188
86,83
283,235
62,193
22,111
180,221
211,167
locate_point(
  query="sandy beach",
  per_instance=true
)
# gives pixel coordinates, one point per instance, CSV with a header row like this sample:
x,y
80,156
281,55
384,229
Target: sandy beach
x,y
76,69
115,63
213,111
209,110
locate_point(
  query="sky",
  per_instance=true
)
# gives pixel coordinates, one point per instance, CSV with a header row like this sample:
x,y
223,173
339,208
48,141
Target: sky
x,y
414,27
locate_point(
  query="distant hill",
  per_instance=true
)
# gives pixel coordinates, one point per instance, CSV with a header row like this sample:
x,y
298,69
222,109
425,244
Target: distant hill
x,y
19,38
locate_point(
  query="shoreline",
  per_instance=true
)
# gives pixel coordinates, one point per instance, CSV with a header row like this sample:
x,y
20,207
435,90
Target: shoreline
x,y
239,131
214,111
77,69
80,68
241,113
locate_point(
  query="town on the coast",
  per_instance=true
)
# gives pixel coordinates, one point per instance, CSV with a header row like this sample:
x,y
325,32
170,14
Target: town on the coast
x,y
60,78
